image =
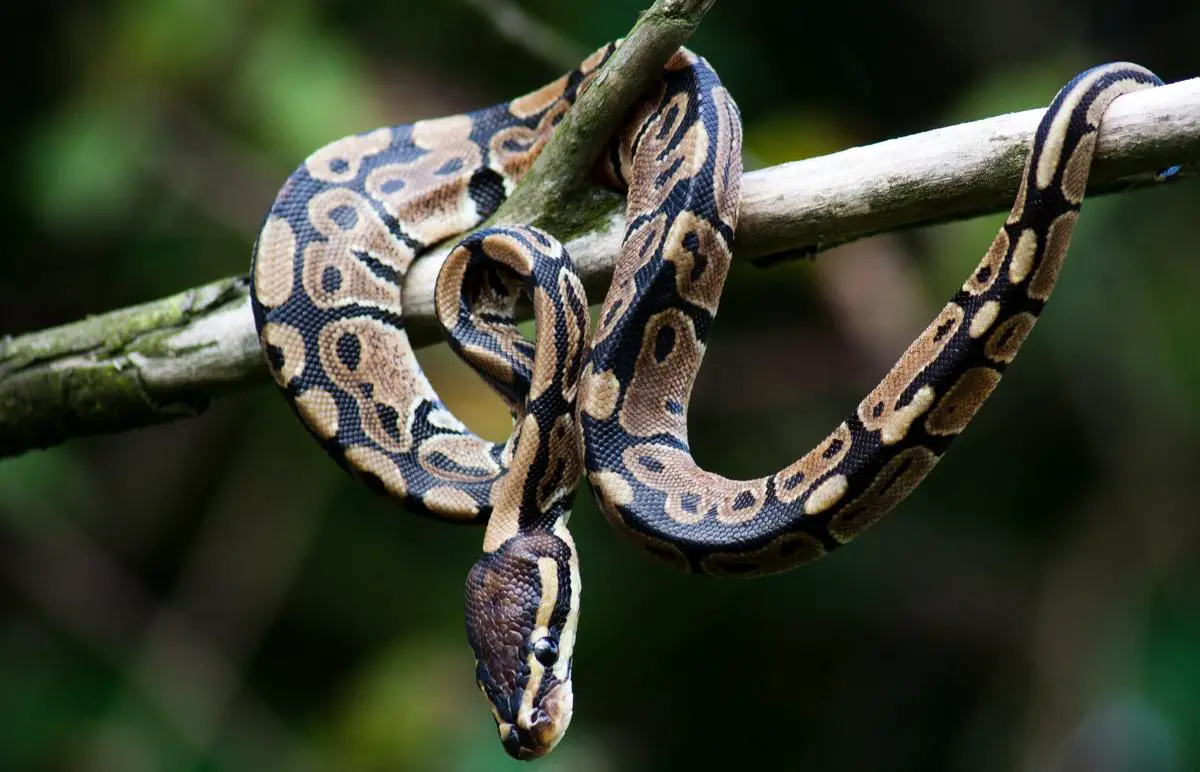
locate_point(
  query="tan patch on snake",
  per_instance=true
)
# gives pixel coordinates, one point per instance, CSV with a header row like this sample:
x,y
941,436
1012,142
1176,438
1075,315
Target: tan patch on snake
x,y
1058,239
727,174
599,393
661,161
318,409
988,269
458,458
794,481
447,292
373,363
333,275
781,554
508,494
512,150
1052,150
565,462
1018,207
881,410
693,493
536,101
894,482
367,460
828,493
275,262
701,270
657,394
429,194
290,343
637,250
1006,340
1022,256
983,319
955,410
545,363
612,487
1075,175
451,502
575,325
341,161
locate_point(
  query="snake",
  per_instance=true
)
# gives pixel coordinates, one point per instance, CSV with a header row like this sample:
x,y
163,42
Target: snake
x,y
327,276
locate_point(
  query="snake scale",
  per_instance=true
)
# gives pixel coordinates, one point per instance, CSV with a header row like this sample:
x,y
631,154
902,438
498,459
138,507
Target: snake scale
x,y
327,273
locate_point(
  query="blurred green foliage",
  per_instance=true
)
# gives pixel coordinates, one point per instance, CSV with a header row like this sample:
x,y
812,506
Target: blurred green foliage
x,y
216,595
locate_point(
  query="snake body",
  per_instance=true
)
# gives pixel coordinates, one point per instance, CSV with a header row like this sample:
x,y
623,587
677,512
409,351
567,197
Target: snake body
x,y
327,274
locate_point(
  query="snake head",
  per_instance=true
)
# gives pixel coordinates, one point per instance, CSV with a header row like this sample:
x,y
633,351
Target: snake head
x,y
522,609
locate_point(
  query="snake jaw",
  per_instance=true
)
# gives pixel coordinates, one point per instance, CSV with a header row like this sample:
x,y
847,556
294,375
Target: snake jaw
x,y
536,732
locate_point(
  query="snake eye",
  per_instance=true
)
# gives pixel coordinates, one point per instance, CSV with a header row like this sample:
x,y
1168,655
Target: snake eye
x,y
546,651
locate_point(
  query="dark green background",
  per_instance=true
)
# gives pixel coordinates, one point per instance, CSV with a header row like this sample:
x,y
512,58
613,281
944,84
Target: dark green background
x,y
216,595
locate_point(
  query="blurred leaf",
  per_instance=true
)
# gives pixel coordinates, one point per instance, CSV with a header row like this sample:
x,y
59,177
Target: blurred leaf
x,y
303,86
84,166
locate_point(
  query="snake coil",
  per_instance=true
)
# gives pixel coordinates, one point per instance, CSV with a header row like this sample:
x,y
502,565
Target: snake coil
x,y
327,273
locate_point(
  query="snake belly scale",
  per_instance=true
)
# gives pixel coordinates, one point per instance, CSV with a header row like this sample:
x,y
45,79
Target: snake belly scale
x,y
326,281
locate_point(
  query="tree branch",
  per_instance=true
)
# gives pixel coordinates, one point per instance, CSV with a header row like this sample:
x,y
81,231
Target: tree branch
x,y
164,359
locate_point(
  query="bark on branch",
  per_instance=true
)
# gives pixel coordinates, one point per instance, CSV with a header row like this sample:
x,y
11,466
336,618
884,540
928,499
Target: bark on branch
x,y
165,359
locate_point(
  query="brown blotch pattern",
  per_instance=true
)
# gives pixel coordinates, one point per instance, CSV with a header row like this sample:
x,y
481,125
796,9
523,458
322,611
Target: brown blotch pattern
x,y
955,410
332,274
1057,241
340,161
466,451
659,390
700,274
275,262
662,165
598,393
1022,256
691,492
894,482
384,367
796,479
319,410
1007,338
881,411
1075,175
535,101
508,494
637,250
452,502
566,462
290,343
514,149
429,194
988,269
366,460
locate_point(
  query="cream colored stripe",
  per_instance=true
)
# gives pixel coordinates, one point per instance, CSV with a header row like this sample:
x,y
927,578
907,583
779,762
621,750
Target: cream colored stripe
x,y
566,641
1052,151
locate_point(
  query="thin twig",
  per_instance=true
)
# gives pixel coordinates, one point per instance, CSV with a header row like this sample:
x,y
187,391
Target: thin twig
x,y
163,360
538,38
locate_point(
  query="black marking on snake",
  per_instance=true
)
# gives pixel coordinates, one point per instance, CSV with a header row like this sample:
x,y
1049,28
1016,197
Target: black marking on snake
x,y
486,189
345,216
331,279
664,343
349,350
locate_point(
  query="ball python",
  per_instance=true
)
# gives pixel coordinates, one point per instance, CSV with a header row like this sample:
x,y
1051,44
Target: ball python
x,y
326,277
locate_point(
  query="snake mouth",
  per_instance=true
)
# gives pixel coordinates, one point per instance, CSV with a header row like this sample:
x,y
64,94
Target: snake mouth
x,y
536,734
